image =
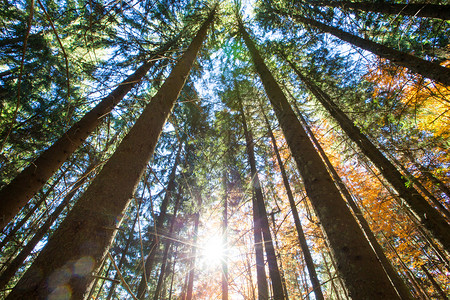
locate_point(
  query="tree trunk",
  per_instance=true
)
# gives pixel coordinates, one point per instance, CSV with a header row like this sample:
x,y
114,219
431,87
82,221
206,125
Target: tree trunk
x,y
123,255
423,10
225,239
301,236
25,252
87,232
167,246
27,183
399,284
358,264
190,282
436,286
415,64
261,277
274,271
31,212
429,217
154,244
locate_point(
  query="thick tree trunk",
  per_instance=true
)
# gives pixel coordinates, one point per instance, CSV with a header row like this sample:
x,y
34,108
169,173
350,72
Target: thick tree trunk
x,y
428,216
25,185
415,64
154,244
301,236
25,252
31,212
357,263
274,272
85,235
423,10
398,283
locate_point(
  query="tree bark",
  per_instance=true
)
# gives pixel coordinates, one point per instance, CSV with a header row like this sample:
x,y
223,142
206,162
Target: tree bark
x,y
428,216
87,232
25,252
357,263
415,64
298,226
31,212
274,272
28,182
399,284
423,10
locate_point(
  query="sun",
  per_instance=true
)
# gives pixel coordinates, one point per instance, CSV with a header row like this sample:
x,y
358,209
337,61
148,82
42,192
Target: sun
x,y
213,250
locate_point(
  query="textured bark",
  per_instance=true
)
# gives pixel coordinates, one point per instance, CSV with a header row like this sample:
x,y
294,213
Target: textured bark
x,y
154,244
415,64
428,216
25,252
85,235
274,272
398,283
423,10
298,226
25,185
356,261
31,212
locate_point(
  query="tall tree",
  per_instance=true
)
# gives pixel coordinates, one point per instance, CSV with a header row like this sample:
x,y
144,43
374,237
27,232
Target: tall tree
x,y
23,187
351,250
298,225
261,216
110,192
424,10
432,220
415,64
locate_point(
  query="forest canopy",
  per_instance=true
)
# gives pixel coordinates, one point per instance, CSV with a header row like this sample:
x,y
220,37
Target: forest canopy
x,y
224,149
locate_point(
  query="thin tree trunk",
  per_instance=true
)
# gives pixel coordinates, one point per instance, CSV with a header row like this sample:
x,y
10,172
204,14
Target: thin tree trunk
x,y
274,271
358,264
300,233
261,277
149,261
415,64
123,255
167,246
436,286
277,247
423,10
429,217
225,239
95,218
420,186
190,282
330,276
25,252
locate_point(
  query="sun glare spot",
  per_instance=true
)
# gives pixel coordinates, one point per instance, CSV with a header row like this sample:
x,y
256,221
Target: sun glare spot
x,y
213,250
